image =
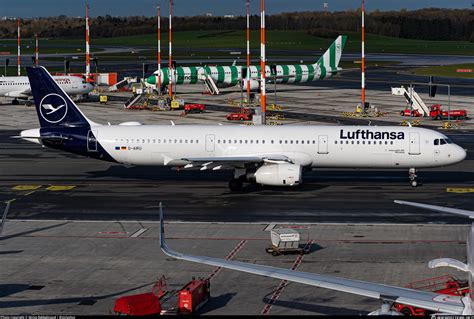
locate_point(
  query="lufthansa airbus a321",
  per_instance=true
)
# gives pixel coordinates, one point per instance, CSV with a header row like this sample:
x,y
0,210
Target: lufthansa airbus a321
x,y
258,154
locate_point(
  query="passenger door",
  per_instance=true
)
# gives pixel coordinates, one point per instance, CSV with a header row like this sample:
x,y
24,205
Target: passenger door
x,y
414,148
210,140
323,144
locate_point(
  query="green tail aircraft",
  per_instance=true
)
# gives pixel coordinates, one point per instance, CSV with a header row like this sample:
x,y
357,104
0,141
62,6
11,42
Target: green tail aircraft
x,y
225,76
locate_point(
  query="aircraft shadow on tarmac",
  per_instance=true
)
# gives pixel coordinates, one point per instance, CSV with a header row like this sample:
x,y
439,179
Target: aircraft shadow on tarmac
x,y
217,302
29,232
311,306
152,173
16,288
11,289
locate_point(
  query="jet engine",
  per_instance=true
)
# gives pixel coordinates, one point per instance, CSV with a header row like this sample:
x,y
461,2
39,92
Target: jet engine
x,y
254,84
279,175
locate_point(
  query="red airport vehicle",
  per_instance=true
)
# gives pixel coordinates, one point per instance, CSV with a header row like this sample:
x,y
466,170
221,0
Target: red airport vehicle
x,y
408,112
142,304
193,296
242,115
447,284
436,113
194,108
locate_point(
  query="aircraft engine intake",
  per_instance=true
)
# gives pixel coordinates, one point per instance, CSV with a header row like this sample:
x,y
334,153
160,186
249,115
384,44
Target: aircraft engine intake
x,y
279,175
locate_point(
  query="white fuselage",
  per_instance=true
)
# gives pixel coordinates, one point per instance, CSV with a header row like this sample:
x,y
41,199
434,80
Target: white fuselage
x,y
19,86
314,146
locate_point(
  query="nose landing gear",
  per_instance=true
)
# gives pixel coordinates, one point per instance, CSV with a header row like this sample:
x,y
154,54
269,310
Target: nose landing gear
x,y
412,176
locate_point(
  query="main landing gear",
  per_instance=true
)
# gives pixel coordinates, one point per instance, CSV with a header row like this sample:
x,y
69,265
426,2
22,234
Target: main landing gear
x,y
412,176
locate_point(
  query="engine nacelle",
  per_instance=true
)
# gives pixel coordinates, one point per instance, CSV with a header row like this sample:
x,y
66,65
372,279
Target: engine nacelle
x,y
254,84
279,175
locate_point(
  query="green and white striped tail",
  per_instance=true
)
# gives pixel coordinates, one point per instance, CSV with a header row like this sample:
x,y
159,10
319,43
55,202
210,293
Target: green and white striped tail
x,y
329,63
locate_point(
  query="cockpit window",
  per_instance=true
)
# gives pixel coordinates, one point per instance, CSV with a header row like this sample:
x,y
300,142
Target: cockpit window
x,y
443,141
436,142
449,141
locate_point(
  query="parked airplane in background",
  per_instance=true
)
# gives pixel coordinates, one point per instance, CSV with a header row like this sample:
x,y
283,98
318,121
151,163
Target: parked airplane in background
x,y
266,155
18,87
388,294
226,76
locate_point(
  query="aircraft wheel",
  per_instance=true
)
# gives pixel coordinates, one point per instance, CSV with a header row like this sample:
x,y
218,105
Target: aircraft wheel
x,y
15,102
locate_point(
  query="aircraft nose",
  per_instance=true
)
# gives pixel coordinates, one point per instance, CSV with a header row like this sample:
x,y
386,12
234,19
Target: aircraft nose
x,y
458,154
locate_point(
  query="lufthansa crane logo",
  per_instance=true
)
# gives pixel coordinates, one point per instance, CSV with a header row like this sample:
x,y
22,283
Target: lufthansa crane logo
x,y
53,108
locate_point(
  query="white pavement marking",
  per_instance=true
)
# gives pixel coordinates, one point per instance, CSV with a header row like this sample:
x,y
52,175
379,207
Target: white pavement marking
x,y
138,232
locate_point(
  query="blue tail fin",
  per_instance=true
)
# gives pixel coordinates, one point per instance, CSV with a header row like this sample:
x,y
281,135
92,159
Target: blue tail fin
x,y
54,107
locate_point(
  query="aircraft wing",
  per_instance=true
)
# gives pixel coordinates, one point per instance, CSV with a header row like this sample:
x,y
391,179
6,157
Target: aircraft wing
x,y
421,299
467,213
218,162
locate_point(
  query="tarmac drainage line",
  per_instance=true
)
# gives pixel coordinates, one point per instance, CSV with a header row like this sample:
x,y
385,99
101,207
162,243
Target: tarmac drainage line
x,y
138,233
230,256
283,283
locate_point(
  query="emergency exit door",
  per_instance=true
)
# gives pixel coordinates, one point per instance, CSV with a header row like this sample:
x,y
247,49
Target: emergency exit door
x,y
414,148
323,144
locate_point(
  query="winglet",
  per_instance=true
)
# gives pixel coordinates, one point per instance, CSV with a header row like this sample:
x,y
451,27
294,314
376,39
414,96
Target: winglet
x,y
462,212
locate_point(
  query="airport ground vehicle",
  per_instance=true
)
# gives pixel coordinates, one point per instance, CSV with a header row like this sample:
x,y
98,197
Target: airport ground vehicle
x,y
447,284
436,113
285,241
142,304
193,296
194,108
242,115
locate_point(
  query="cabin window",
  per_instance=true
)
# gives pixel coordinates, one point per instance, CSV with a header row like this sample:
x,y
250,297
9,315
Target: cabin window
x,y
281,141
251,141
291,142
358,142
347,142
386,142
223,141
335,142
218,141
391,142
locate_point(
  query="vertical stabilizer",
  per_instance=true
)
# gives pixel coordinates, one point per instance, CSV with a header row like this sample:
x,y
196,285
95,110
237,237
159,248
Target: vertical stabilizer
x,y
53,106
329,62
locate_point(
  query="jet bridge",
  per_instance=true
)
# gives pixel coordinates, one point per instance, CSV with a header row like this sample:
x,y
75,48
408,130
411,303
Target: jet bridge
x,y
413,99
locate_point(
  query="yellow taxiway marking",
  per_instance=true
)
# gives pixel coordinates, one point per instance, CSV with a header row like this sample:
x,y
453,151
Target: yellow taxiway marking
x,y
60,187
460,190
26,187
